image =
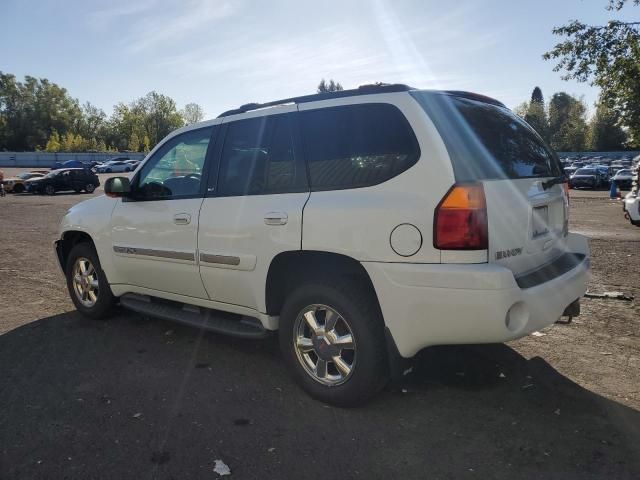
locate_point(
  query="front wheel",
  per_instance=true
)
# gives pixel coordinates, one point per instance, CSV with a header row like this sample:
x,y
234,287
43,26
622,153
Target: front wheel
x,y
332,338
49,190
90,187
87,283
19,188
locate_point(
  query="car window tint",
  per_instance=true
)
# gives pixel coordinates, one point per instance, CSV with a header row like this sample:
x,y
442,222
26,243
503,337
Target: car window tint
x,y
175,170
357,145
486,141
257,157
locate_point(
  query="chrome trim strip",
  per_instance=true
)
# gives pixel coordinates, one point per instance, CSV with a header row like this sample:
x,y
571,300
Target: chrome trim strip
x,y
220,259
148,252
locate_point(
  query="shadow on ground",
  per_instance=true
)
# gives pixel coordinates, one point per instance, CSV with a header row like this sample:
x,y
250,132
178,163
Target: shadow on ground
x,y
136,398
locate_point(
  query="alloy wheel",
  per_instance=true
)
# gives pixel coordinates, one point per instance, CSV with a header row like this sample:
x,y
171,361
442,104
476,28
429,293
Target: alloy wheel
x,y
324,344
85,282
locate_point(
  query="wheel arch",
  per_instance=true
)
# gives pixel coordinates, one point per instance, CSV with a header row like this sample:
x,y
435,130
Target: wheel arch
x,y
68,240
288,269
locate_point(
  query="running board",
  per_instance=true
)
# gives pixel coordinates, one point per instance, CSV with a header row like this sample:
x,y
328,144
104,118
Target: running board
x,y
198,317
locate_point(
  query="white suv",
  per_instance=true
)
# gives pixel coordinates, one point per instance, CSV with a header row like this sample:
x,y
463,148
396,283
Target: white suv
x,y
364,225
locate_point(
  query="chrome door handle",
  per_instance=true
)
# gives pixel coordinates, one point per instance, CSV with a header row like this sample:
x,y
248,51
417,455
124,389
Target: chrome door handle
x,y
182,219
276,218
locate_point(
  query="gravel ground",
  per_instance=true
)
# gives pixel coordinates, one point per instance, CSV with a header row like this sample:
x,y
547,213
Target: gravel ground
x,y
139,398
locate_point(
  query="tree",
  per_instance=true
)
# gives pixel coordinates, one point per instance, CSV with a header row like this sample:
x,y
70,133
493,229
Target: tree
x,y
31,110
605,133
536,115
53,144
332,86
192,113
607,56
536,96
37,113
134,143
567,123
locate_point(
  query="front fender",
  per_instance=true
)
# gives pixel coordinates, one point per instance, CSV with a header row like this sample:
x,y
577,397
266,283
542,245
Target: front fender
x,y
92,217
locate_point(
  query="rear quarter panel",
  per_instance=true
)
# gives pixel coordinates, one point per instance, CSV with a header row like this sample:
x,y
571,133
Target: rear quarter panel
x,y
358,222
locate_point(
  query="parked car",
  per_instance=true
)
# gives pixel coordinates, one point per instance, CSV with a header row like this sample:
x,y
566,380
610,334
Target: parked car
x,y
623,178
68,164
586,178
115,166
67,179
17,184
401,245
133,163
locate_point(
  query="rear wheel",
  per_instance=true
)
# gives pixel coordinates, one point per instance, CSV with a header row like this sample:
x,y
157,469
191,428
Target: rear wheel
x,y
18,188
332,338
49,190
87,283
90,187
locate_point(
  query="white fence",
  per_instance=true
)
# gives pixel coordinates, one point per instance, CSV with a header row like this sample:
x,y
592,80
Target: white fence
x,y
47,159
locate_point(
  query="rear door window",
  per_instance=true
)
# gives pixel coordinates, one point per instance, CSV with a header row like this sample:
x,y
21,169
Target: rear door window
x,y
258,158
486,141
357,145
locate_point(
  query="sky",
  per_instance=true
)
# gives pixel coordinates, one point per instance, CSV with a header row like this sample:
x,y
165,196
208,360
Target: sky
x,y
222,53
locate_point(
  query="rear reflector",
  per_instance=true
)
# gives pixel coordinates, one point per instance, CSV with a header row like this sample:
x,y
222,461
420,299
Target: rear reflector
x,y
460,220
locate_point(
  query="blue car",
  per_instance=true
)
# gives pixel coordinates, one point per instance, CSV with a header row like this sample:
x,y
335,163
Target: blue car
x,y
68,164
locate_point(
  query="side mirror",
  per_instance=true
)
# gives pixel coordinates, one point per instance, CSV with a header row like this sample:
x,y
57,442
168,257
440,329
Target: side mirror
x,y
117,187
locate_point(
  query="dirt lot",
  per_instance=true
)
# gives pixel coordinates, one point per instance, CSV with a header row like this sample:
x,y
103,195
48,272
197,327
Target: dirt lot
x,y
137,398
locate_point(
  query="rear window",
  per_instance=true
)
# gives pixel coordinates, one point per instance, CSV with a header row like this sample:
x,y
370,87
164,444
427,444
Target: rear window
x,y
357,145
486,141
585,171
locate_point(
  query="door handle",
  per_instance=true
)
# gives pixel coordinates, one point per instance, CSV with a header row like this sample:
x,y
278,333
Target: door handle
x,y
276,218
182,219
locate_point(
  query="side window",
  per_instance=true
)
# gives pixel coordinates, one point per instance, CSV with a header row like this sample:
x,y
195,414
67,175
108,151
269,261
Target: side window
x,y
257,157
357,145
175,170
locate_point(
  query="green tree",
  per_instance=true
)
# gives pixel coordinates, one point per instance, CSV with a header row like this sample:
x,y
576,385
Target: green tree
x,y
567,123
331,86
607,56
146,144
192,113
605,132
31,110
536,114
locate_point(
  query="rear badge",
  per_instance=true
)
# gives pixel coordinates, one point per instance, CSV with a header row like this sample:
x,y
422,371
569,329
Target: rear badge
x,y
514,252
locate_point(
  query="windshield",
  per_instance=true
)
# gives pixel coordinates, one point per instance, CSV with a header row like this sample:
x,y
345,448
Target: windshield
x,y
585,171
624,172
487,141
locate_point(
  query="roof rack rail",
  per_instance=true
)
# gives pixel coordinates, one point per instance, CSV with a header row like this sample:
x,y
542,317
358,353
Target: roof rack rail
x,y
361,90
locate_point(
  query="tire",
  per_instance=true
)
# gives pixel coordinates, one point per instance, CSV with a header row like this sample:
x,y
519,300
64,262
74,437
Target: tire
x,y
127,169
77,190
19,188
359,310
49,190
102,305
90,187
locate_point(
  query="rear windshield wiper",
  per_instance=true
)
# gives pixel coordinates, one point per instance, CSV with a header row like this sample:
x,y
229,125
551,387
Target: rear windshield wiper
x,y
553,181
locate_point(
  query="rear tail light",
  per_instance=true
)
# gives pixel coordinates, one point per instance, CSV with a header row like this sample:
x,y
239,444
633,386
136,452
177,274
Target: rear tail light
x,y
460,220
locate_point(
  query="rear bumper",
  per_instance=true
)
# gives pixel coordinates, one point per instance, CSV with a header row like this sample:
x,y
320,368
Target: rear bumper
x,y
440,304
